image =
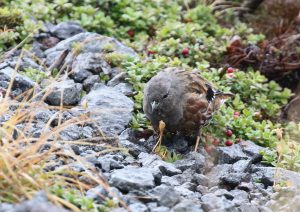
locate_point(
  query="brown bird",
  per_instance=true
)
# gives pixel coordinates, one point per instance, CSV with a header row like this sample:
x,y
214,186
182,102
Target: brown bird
x,y
181,101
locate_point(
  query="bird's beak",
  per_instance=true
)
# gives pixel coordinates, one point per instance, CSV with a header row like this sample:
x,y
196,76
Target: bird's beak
x,y
154,105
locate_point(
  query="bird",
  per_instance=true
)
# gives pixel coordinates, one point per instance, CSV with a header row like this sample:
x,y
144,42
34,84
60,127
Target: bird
x,y
181,101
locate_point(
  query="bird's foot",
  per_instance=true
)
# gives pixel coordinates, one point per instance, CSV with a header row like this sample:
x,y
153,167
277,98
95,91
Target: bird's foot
x,y
162,127
197,143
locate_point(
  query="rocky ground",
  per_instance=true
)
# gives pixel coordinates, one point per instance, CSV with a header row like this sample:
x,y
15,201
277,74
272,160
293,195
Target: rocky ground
x,y
227,179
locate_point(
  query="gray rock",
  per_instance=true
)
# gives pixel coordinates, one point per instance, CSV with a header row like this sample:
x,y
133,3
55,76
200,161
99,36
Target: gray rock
x,y
194,161
131,178
179,144
110,162
88,64
241,166
202,189
129,160
37,204
160,209
97,194
154,161
87,132
3,65
232,179
65,30
129,134
6,207
240,197
216,173
212,202
28,62
267,176
65,116
90,81
169,181
138,207
125,88
43,115
231,154
166,195
246,186
285,199
201,179
264,175
252,150
185,191
186,176
71,133
119,78
190,186
133,148
93,43
71,93
249,208
21,84
152,205
109,109
187,206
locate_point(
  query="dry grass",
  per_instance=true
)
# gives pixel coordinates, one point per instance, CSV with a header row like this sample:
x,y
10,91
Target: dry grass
x,y
24,167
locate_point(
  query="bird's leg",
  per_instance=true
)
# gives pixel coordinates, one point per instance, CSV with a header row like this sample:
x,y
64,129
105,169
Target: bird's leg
x,y
197,140
161,127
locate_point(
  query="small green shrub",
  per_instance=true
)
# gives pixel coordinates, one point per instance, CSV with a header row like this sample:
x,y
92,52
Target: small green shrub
x,y
34,74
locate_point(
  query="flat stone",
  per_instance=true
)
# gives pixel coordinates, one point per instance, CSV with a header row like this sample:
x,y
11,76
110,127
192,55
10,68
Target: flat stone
x,y
187,206
166,195
160,209
267,176
88,64
110,162
154,161
241,166
216,173
90,81
68,92
231,154
37,204
201,179
133,148
65,30
138,207
132,178
240,197
21,83
252,150
232,179
110,110
93,43
211,202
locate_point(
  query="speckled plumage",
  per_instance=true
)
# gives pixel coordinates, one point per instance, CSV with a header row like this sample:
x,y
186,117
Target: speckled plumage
x,y
182,99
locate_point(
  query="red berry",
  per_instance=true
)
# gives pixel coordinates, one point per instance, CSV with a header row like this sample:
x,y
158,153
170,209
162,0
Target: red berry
x,y
151,52
228,133
230,70
130,33
216,142
185,51
228,143
236,114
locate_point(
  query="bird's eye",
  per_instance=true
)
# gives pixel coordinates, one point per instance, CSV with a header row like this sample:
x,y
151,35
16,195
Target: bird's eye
x,y
165,96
